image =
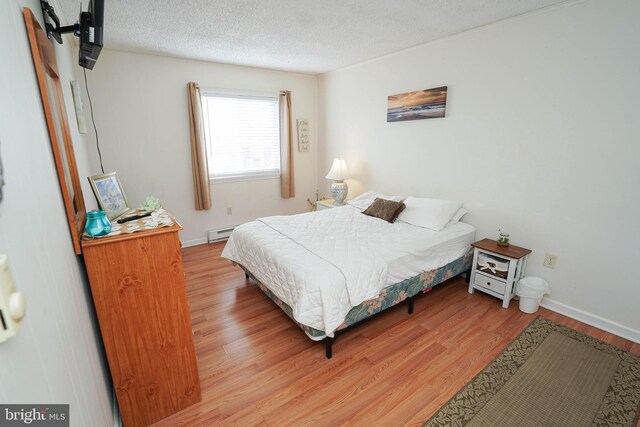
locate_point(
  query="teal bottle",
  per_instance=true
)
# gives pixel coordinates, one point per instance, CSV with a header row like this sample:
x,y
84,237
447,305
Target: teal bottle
x,y
97,224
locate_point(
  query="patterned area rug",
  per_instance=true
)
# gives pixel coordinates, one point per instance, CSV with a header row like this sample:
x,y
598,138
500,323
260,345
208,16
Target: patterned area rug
x,y
550,375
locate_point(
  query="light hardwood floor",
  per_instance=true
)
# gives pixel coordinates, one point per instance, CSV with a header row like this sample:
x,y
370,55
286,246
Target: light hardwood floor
x,y
258,368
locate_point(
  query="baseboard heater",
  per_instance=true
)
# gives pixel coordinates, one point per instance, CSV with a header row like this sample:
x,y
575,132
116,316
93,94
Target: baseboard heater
x,y
221,234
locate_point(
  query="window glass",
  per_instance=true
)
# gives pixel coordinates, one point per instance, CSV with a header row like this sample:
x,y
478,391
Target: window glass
x,y
242,134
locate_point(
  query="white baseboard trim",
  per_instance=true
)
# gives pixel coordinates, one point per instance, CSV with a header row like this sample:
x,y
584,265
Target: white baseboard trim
x,y
194,242
592,319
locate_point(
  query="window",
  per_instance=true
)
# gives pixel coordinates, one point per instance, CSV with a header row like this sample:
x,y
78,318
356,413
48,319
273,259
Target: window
x,y
243,135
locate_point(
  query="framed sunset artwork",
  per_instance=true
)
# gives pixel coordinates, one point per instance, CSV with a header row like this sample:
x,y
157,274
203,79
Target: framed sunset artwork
x,y
418,105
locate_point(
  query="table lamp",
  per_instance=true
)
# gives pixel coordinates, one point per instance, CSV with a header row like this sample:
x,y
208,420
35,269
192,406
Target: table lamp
x,y
338,174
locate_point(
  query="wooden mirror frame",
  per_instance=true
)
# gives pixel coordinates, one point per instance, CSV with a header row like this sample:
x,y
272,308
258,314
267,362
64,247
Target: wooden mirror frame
x,y
44,61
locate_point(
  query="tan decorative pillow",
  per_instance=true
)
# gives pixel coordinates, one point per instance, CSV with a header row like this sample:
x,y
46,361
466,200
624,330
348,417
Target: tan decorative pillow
x,y
385,209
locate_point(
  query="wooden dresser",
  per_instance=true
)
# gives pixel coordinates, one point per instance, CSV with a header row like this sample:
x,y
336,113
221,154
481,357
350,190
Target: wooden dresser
x,y
139,291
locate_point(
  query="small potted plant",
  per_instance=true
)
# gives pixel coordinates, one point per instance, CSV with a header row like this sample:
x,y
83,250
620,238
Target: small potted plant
x,y
503,239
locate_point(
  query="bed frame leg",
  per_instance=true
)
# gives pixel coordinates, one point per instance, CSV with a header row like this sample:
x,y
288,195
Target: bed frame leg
x,y
410,305
246,275
328,342
467,277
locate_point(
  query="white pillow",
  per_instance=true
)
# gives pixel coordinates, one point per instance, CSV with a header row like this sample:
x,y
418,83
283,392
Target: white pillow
x,y
457,217
429,213
364,200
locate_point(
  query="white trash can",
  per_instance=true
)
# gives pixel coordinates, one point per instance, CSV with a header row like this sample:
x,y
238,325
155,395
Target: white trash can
x,y
531,290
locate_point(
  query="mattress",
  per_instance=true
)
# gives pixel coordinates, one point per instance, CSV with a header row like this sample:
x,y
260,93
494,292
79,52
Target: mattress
x,y
324,263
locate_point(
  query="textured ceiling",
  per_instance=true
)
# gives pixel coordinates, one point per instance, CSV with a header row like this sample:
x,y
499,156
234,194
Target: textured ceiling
x,y
293,35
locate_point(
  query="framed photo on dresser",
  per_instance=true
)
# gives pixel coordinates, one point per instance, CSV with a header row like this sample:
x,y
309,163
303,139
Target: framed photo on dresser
x,y
109,194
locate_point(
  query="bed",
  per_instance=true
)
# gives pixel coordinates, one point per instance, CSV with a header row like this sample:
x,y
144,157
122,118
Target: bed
x,y
332,269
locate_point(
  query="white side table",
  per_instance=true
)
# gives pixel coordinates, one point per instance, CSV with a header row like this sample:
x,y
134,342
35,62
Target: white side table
x,y
501,269
325,204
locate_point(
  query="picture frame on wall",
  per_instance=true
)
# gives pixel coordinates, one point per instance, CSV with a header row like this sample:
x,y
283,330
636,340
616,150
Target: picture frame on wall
x,y
418,105
303,135
109,194
79,106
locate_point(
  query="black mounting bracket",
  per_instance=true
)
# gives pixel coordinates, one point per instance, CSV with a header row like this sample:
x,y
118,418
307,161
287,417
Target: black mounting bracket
x,y
55,30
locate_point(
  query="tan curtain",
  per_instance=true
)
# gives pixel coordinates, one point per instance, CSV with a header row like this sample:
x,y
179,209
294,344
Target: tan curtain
x,y
287,181
201,185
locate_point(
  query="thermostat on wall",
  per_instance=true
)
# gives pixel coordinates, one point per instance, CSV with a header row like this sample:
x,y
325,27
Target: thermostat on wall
x,y
12,303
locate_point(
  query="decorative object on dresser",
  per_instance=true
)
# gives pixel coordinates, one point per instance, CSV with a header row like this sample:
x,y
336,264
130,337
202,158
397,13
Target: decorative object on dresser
x,y
339,188
418,105
97,224
497,268
109,194
139,290
151,203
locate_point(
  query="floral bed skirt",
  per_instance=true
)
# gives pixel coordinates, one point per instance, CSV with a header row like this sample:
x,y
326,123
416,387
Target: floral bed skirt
x,y
390,296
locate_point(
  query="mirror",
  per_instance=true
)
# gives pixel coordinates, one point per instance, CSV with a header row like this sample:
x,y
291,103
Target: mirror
x,y
44,61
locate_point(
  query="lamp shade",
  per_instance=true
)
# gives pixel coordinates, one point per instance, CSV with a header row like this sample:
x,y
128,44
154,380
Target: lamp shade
x,y
338,170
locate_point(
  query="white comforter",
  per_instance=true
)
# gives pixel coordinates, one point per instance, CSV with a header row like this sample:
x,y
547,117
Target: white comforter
x,y
324,263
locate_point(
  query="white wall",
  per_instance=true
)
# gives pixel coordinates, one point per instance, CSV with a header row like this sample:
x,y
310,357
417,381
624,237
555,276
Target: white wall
x,y
57,356
540,140
141,111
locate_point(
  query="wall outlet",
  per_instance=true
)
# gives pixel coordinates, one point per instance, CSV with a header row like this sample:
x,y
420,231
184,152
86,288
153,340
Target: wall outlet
x,y
550,260
229,211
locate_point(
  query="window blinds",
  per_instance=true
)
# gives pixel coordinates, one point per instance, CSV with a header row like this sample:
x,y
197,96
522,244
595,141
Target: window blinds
x,y
243,135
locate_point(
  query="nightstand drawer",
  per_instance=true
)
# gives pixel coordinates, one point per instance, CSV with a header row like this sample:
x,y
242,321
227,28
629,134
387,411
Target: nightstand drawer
x,y
487,282
492,265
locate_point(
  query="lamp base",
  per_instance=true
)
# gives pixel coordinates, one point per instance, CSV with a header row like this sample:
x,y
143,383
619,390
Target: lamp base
x,y
339,191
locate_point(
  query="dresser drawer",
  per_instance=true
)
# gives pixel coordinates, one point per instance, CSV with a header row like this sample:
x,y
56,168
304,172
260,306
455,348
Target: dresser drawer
x,y
487,282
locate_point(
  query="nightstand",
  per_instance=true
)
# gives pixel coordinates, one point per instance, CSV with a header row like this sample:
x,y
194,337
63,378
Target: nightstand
x,y
325,204
496,269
